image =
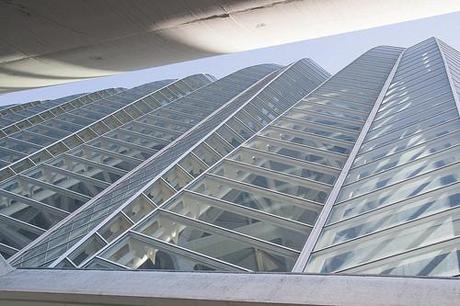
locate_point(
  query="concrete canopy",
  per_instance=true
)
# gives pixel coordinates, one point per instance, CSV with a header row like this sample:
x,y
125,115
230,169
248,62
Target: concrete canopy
x,y
38,287
46,42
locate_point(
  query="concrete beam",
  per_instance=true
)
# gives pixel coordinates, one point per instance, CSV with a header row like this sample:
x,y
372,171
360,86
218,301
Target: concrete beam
x,y
4,267
76,287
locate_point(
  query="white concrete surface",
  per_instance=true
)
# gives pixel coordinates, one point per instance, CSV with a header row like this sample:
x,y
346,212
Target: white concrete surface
x,y
72,287
45,42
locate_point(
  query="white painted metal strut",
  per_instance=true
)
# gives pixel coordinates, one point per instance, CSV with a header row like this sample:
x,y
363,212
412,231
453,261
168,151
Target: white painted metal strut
x,y
301,263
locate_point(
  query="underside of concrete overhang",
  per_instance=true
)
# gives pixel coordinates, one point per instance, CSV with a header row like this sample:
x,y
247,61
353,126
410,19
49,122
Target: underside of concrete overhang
x,y
46,42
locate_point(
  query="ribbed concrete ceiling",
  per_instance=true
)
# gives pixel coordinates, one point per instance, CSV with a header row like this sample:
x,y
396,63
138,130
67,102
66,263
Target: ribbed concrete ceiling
x,y
46,42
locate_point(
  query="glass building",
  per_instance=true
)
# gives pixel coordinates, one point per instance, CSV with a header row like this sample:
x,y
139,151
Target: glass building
x,y
270,169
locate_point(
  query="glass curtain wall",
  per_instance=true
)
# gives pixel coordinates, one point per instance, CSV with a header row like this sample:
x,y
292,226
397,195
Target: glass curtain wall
x,y
214,138
253,210
398,211
138,136
36,199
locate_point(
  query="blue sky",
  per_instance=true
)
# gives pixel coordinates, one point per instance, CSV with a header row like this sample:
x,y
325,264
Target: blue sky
x,y
332,53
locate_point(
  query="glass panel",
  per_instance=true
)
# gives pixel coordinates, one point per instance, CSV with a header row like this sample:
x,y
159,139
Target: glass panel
x,y
405,144
115,227
330,112
248,120
57,148
283,165
90,247
54,177
219,145
177,177
225,216
332,103
175,126
206,154
435,229
385,127
259,199
437,260
400,174
10,156
315,129
138,208
403,157
392,215
193,237
32,215
193,165
412,104
50,132
107,144
408,131
22,165
85,168
297,152
272,182
16,236
299,138
239,128
17,145
137,254
230,136
386,196
160,192
324,120
40,156
68,202
37,139
177,116
100,264
143,138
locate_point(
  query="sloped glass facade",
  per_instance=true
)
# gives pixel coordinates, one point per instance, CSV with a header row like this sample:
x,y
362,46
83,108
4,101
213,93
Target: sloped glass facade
x,y
36,199
253,210
232,94
270,169
397,212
